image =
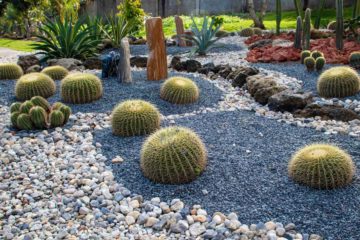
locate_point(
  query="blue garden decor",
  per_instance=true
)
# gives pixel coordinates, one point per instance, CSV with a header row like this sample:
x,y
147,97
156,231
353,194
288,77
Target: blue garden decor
x,y
110,62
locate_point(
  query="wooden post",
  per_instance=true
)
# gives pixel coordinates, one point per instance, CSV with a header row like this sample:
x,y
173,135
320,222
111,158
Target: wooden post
x,y
124,68
180,31
157,61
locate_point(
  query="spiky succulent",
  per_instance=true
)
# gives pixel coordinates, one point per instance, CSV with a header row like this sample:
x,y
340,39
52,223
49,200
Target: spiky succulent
x,y
304,54
247,32
24,122
320,63
10,71
257,31
309,63
15,107
354,60
26,106
81,88
38,116
338,82
56,119
322,166
34,84
179,90
55,72
135,117
173,155
316,54
41,102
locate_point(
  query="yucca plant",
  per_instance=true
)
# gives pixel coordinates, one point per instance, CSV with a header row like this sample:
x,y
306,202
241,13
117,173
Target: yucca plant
x,y
64,39
203,39
95,25
116,29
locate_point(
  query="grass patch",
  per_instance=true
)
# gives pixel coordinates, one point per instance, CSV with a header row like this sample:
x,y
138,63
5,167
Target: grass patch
x,y
19,45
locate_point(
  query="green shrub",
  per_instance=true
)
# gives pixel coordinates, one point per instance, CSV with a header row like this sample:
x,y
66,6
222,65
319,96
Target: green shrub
x,y
81,88
135,117
34,84
354,60
320,63
338,82
322,166
10,71
132,12
304,54
309,63
173,155
116,29
56,72
179,90
247,32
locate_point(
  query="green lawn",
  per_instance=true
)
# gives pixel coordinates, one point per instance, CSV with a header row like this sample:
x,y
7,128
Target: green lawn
x,y
20,45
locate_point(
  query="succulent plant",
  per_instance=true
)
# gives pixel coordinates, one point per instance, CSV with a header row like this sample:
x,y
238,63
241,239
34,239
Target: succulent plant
x,y
304,54
298,33
246,32
173,155
135,117
332,26
309,63
338,82
24,122
322,166
257,31
41,102
38,116
307,29
57,106
81,88
15,107
56,119
34,84
320,63
13,117
10,71
66,111
339,24
179,90
354,60
26,106
316,54
55,72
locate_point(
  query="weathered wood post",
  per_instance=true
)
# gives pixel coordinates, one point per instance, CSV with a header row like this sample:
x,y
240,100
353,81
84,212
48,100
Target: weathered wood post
x,y
180,31
157,68
124,68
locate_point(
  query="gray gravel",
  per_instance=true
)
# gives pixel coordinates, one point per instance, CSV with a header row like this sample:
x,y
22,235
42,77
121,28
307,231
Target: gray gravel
x,y
247,173
115,92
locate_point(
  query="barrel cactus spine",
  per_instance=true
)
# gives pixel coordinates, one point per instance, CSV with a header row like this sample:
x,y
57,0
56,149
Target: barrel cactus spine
x,y
309,63
10,71
173,155
41,102
26,106
38,116
55,72
15,107
179,90
307,29
354,60
56,119
339,24
24,122
34,84
298,33
320,63
304,54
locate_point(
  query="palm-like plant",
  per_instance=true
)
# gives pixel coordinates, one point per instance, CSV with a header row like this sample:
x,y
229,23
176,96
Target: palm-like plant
x,y
116,29
203,39
64,39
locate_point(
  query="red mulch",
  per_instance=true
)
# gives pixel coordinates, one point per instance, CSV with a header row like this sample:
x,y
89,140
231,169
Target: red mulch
x,y
286,36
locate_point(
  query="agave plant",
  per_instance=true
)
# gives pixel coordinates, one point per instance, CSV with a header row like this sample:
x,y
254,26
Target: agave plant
x,y
65,39
203,39
95,24
116,29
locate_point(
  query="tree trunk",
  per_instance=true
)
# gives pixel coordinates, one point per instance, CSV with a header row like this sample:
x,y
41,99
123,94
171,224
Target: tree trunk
x,y
124,69
257,21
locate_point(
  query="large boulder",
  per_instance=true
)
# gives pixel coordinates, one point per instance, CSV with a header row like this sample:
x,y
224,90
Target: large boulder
x,y
206,68
32,69
92,63
176,64
262,95
192,65
240,75
254,83
27,61
327,113
288,101
138,61
68,63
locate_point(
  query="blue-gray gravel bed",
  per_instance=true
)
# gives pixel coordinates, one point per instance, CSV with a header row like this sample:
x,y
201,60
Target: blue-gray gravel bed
x,y
254,184
115,92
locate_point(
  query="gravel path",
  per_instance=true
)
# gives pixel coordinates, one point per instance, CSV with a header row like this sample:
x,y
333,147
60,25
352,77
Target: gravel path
x,y
115,92
247,173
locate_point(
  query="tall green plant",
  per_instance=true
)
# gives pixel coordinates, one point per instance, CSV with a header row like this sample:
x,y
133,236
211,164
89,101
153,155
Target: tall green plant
x,y
356,10
278,16
307,29
297,4
339,24
116,29
319,14
131,11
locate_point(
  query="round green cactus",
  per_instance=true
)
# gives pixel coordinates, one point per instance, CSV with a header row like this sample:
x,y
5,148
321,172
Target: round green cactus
x,y
26,106
338,82
173,155
354,60
55,72
10,71
66,111
38,116
222,33
309,63
56,119
247,32
14,116
179,90
322,166
257,31
81,88
34,84
320,63
304,54
15,107
24,122
316,54
41,102
56,106
135,117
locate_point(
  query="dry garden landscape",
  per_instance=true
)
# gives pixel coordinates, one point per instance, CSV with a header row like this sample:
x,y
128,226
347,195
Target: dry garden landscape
x,y
206,134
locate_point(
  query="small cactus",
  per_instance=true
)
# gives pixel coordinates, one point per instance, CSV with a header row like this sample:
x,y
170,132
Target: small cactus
x,y
55,72
316,54
135,117
309,63
257,31
320,63
298,33
179,90
38,116
24,122
173,155
278,16
354,60
338,82
247,32
41,102
66,112
26,106
222,33
307,29
15,107
79,88
56,119
10,71
14,116
339,24
304,54
34,84
322,166
56,106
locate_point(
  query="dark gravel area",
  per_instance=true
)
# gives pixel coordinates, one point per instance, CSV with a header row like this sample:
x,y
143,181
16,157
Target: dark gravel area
x,y
254,184
297,70
115,92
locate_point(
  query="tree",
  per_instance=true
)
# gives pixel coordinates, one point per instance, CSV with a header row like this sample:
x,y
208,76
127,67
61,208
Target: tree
x,y
258,20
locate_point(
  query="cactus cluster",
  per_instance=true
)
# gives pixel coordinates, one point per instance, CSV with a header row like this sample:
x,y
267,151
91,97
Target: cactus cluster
x,y
34,84
354,60
173,155
179,90
135,117
309,63
338,82
247,32
55,72
313,60
37,113
10,71
79,88
322,166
